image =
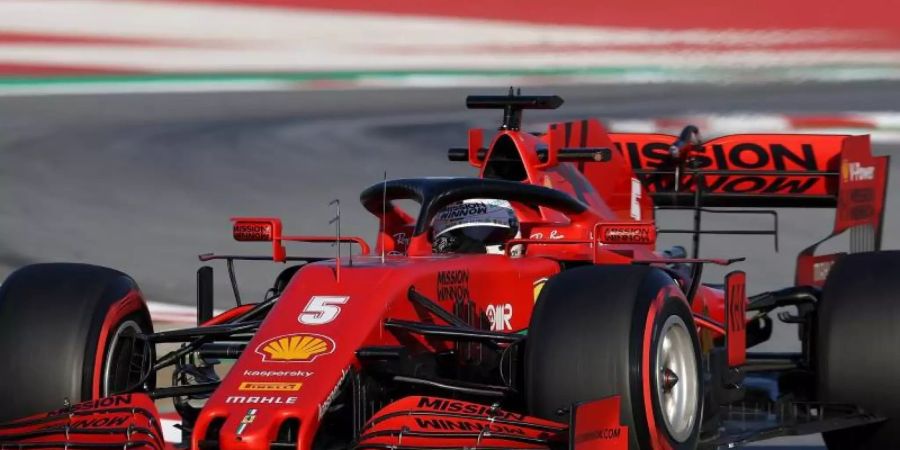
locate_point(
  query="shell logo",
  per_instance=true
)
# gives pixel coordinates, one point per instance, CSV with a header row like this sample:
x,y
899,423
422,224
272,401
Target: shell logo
x,y
299,347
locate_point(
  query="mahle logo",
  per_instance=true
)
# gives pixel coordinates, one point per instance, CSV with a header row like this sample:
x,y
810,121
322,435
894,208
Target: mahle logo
x,y
299,347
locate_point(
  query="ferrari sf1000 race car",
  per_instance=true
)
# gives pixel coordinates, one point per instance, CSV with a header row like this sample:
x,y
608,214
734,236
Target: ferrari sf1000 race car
x,y
526,308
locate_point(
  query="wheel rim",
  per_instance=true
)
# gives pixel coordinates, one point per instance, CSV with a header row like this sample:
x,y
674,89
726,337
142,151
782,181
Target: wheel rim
x,y
677,384
119,370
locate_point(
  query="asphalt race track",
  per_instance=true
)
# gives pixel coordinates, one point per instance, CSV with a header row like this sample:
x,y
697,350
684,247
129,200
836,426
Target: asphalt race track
x,y
144,183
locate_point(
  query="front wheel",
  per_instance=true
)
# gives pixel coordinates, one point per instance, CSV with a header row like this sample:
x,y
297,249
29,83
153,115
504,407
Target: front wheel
x,y
68,332
618,330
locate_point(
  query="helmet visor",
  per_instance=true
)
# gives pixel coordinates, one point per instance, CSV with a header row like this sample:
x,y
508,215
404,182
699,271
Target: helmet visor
x,y
487,234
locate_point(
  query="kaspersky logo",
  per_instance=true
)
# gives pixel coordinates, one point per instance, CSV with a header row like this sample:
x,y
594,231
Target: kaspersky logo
x,y
299,347
854,171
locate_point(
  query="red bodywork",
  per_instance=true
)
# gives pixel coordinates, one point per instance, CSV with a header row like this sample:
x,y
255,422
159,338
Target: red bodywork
x,y
307,346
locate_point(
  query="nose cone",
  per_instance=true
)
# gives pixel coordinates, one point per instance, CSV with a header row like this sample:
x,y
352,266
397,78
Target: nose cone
x,y
247,431
250,426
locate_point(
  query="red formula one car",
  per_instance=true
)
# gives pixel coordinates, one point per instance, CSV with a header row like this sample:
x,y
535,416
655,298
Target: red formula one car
x,y
527,308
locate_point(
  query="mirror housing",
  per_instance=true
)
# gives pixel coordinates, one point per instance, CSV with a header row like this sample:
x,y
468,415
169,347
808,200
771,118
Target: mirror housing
x,y
629,233
260,229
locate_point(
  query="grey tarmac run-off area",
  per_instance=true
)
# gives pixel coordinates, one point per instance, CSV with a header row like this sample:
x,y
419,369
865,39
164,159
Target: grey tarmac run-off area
x,y
144,183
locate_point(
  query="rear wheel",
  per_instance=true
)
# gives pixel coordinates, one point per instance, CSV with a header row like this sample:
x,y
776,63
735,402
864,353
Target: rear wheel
x,y
858,346
617,330
67,332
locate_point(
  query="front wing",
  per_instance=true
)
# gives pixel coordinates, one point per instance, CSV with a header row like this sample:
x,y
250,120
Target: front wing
x,y
128,421
131,421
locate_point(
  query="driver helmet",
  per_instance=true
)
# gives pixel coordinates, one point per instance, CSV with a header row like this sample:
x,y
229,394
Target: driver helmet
x,y
477,225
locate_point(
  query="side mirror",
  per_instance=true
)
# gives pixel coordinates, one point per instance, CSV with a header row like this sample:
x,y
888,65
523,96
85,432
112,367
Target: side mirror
x,y
260,229
626,233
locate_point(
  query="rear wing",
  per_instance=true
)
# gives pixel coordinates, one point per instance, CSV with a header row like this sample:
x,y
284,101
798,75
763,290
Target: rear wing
x,y
637,173
769,171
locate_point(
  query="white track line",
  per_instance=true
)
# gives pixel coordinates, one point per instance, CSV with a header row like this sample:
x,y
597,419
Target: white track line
x,y
172,313
145,87
204,37
208,23
327,58
883,127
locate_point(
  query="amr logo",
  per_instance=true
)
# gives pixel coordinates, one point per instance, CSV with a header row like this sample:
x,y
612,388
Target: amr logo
x,y
499,316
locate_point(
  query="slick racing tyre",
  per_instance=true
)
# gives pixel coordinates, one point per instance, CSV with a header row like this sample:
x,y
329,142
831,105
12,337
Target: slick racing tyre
x,y
858,346
66,333
617,330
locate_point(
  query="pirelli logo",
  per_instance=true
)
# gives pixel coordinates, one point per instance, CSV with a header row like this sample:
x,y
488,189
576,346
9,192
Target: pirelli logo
x,y
269,386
